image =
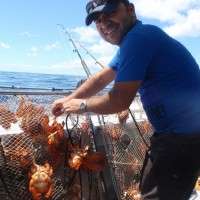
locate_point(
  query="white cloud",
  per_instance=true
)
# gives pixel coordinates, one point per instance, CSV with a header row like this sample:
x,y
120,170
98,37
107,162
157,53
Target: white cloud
x,y
190,26
71,66
49,47
181,17
103,51
15,67
102,48
28,34
85,34
33,52
4,45
89,38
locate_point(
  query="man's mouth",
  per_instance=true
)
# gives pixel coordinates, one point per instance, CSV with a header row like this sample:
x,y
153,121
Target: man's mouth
x,y
110,29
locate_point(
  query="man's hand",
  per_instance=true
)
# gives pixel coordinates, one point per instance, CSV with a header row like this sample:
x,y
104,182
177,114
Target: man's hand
x,y
58,107
61,106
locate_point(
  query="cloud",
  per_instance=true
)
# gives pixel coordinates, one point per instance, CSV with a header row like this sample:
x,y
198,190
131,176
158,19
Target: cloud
x,y
28,34
89,38
190,25
71,66
33,52
180,17
49,47
85,34
15,67
102,48
4,45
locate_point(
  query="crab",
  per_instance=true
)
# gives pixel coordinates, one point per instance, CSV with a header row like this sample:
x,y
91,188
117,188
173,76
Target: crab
x,y
40,182
82,157
6,117
55,134
77,157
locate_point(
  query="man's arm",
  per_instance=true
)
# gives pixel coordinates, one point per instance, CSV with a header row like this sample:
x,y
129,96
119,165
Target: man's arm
x,y
95,83
118,99
90,87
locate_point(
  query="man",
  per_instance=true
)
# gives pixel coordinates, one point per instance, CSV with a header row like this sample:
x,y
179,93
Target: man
x,y
168,80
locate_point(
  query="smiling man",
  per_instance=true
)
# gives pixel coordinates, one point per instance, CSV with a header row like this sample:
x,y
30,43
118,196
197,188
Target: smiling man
x,y
167,78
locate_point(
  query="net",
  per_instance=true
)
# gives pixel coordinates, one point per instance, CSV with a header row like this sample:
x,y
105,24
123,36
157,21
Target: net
x,y
66,155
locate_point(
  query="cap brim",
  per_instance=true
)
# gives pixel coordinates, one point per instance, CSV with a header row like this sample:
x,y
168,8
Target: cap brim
x,y
100,9
91,17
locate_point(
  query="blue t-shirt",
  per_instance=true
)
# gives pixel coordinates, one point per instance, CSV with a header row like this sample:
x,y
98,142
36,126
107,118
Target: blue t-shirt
x,y
170,89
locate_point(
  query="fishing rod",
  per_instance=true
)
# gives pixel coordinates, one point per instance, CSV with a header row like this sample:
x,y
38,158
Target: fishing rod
x,y
87,52
85,67
83,63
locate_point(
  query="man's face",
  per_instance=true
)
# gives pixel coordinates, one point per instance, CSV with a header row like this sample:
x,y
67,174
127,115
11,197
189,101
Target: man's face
x,y
113,26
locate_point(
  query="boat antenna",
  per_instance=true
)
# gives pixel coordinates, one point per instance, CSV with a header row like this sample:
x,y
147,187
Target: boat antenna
x,y
85,67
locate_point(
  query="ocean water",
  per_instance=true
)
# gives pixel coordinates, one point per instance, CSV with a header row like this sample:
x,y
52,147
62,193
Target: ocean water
x,y
38,81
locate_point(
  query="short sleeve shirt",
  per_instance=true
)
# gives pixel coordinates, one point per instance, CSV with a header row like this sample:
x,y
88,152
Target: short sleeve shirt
x,y
170,90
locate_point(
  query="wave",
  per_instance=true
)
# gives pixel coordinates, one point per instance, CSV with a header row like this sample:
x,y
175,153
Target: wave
x,y
39,81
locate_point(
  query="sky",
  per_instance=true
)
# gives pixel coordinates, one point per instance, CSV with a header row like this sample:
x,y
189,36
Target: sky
x,y
32,41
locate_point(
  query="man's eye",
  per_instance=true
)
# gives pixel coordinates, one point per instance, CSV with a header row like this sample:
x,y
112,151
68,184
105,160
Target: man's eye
x,y
112,13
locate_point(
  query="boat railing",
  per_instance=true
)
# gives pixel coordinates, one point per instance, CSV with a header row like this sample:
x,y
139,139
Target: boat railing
x,y
34,91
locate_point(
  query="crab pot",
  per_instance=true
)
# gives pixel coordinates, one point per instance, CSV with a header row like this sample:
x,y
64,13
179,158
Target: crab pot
x,y
22,146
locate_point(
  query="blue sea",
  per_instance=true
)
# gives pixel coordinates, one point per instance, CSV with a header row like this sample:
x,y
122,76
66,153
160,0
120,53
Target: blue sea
x,y
38,81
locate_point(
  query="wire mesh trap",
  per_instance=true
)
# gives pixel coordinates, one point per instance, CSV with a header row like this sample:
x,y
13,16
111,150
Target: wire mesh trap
x,y
71,157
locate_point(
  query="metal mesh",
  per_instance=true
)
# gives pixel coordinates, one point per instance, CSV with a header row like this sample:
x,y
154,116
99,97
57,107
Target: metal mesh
x,y
128,144
21,145
19,149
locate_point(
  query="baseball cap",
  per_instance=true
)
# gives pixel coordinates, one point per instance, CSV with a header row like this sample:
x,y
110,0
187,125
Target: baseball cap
x,y
94,7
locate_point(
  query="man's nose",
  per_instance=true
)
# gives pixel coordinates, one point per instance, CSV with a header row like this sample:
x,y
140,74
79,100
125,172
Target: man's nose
x,y
103,21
